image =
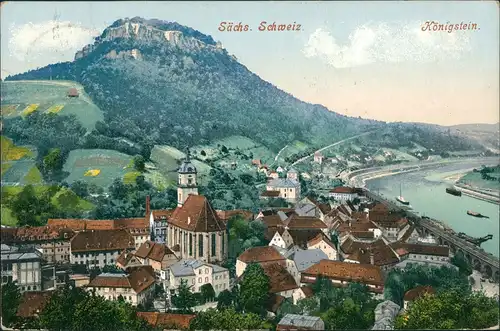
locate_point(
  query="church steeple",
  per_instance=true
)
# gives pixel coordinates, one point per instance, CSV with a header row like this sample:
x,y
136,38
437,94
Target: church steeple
x,y
187,183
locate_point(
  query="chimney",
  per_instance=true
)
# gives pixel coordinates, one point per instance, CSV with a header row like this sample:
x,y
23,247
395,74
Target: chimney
x,y
148,206
144,279
189,220
372,258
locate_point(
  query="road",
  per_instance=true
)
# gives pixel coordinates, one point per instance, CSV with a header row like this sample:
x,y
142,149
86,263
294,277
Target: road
x,y
331,145
278,155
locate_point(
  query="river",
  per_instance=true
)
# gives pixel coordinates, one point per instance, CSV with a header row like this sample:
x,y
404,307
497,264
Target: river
x,y
426,192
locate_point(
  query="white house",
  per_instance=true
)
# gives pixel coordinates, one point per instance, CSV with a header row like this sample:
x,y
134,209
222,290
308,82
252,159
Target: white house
x,y
98,248
343,193
136,288
292,174
280,170
198,273
22,266
318,157
288,189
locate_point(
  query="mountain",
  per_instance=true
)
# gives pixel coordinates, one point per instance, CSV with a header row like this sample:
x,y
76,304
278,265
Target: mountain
x,y
163,83
487,135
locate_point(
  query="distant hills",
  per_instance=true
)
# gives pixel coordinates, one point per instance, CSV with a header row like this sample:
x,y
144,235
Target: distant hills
x,y
161,83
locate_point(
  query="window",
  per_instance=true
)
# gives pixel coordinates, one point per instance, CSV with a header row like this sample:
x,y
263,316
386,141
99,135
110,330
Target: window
x,y
201,271
200,245
190,244
206,270
199,279
130,298
213,244
206,279
192,281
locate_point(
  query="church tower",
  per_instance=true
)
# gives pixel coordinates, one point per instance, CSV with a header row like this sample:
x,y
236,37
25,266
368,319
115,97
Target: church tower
x,y
187,182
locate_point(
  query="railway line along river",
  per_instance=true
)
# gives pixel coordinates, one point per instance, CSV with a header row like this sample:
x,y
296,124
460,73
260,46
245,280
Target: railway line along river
x,y
426,192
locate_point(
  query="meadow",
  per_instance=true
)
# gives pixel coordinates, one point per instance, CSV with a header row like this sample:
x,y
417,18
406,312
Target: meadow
x,y
168,159
97,166
18,164
22,98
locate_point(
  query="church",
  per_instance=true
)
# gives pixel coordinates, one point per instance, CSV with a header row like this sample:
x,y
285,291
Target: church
x,y
193,230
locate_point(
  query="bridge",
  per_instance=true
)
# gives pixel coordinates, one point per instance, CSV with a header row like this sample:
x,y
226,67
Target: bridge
x,y
480,260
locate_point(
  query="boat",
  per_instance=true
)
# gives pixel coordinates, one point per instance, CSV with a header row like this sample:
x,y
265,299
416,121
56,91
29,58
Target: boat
x,y
475,214
476,241
454,191
401,199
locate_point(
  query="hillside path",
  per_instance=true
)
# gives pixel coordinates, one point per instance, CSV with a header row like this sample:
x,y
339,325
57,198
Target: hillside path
x,y
331,145
278,155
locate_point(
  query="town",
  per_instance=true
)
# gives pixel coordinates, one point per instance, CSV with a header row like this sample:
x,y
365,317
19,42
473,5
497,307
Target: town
x,y
349,261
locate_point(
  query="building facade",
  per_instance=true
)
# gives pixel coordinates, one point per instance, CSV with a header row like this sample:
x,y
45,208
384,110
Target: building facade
x,y
23,266
193,230
197,273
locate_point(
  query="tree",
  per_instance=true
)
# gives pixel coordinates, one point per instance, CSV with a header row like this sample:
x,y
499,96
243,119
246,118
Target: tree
x,y
461,262
207,292
68,200
227,319
184,300
254,289
139,163
81,188
398,281
203,153
79,310
225,300
450,309
224,149
11,298
53,161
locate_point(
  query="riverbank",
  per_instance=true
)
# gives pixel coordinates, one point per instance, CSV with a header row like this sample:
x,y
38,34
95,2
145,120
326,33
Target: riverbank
x,y
478,194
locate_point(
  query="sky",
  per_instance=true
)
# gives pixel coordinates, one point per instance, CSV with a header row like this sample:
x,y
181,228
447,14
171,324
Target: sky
x,y
368,58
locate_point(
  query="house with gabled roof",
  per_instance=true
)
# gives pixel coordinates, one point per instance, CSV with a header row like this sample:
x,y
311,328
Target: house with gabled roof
x,y
262,255
299,260
98,248
300,322
158,256
197,273
136,287
289,189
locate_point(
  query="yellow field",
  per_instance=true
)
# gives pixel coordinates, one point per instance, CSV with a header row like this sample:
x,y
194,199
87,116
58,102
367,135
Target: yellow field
x,y
30,109
11,152
7,110
55,109
92,173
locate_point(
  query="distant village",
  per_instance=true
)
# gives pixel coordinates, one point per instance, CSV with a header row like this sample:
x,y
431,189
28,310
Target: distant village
x,y
348,239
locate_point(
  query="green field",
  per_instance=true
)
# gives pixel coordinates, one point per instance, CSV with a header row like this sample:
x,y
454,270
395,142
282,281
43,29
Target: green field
x,y
168,159
108,163
18,164
51,97
474,179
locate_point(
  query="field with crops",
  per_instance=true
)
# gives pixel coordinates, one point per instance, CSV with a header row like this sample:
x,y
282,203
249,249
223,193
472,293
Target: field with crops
x,y
18,164
22,98
98,166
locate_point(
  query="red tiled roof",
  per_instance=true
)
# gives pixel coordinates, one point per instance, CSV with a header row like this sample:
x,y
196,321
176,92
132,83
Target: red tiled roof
x,y
280,279
197,215
358,226
138,279
167,320
32,303
153,251
319,238
36,233
102,240
131,223
302,238
304,222
308,291
260,254
272,220
162,214
360,251
363,234
418,292
350,272
343,189
424,249
225,215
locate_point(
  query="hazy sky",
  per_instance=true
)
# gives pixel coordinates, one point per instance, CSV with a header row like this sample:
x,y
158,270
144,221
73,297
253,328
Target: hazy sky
x,y
368,59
